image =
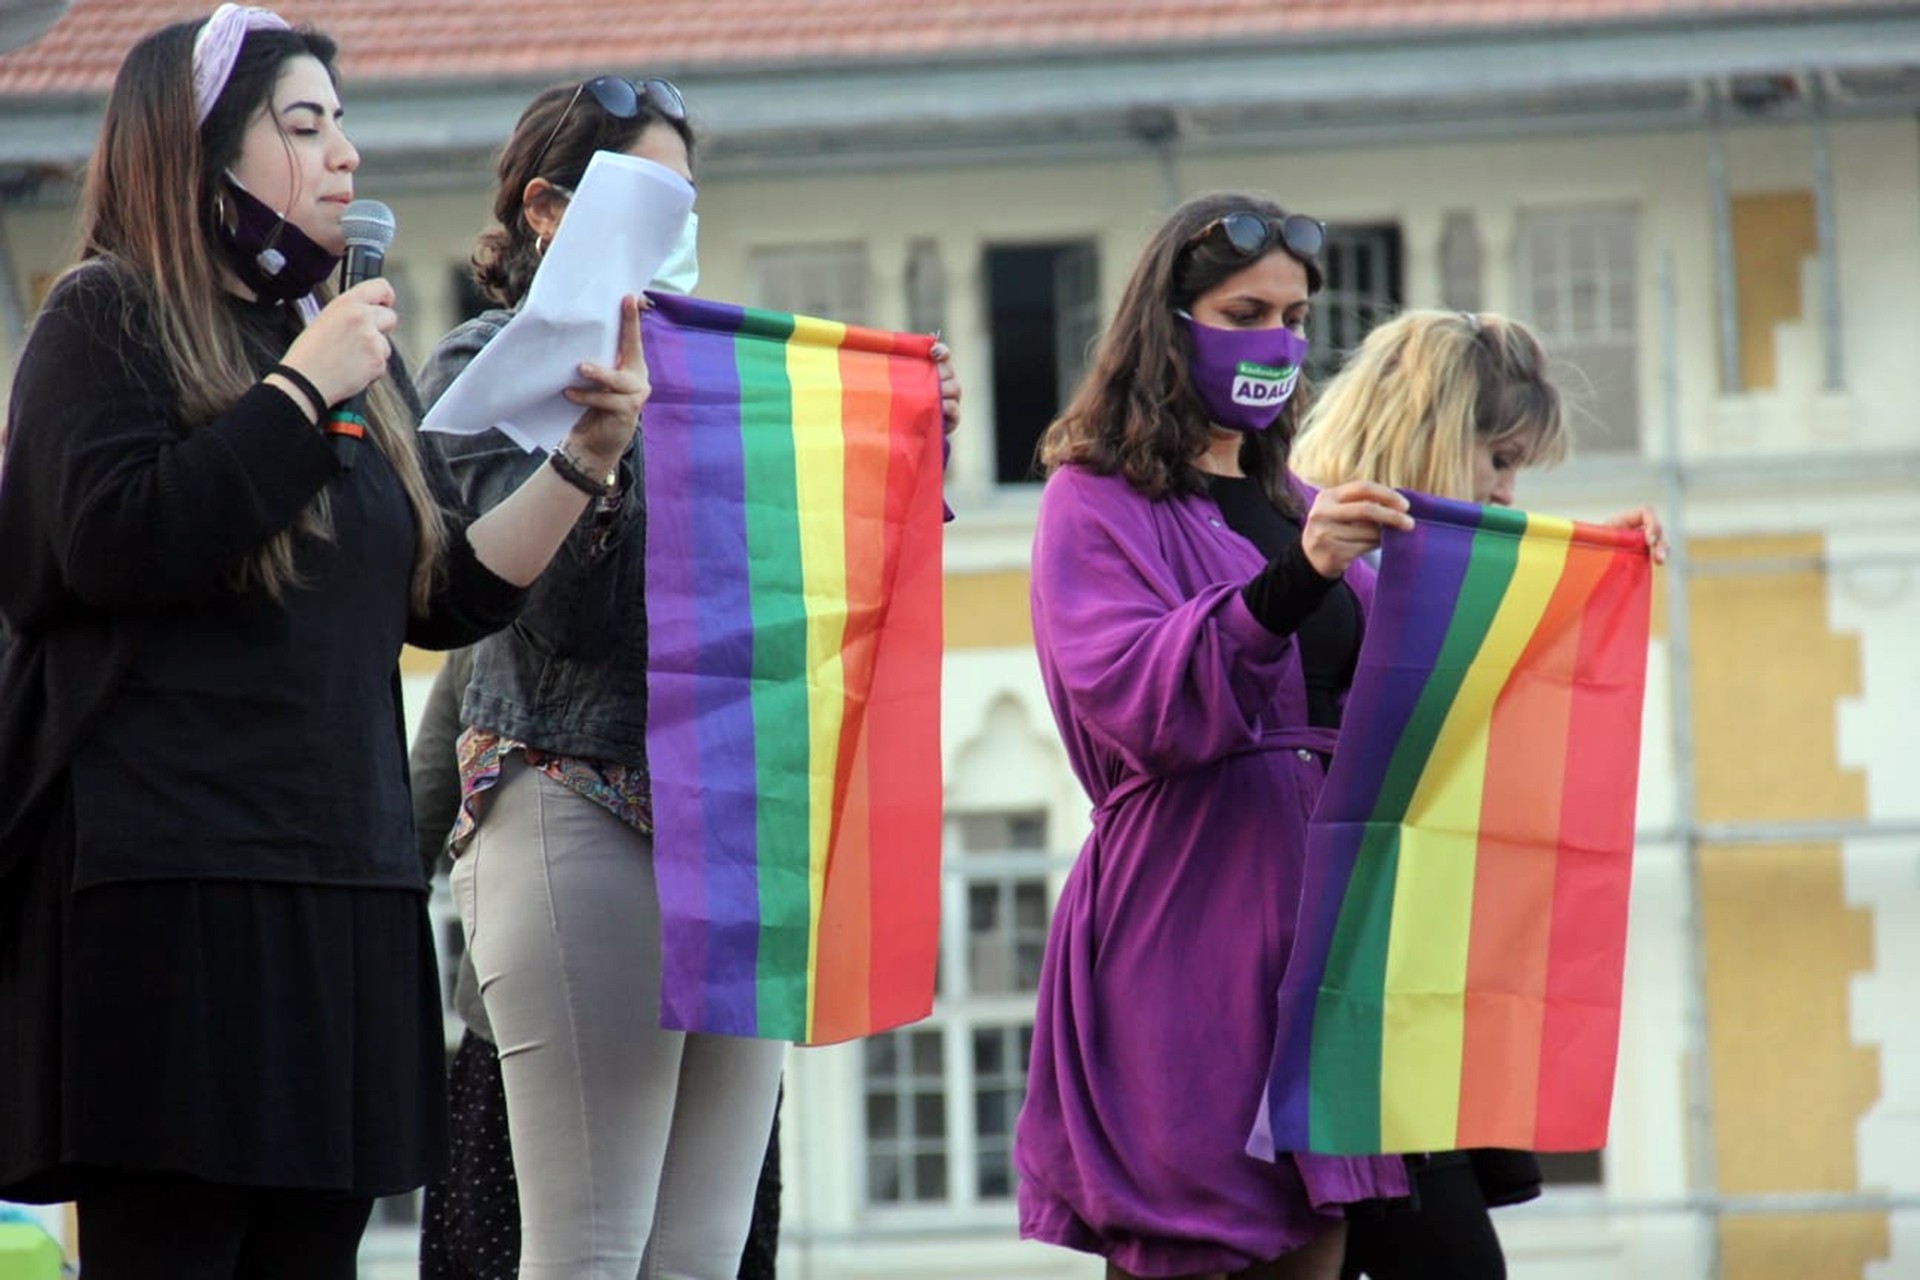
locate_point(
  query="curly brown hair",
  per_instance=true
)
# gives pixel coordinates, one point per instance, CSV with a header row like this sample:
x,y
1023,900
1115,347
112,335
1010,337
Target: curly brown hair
x,y
1135,412
508,253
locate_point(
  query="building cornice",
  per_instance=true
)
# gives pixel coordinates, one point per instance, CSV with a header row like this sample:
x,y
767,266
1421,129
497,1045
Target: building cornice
x,y
877,116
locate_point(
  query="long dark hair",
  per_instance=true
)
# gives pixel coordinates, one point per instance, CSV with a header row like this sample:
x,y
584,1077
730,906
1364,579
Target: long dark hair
x,y
150,210
508,253
1135,412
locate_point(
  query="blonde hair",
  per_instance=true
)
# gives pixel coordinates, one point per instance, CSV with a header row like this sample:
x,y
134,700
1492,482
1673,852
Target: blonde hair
x,y
1421,392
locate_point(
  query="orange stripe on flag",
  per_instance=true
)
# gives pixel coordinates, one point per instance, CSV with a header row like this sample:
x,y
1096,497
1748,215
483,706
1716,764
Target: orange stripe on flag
x,y
1514,871
842,974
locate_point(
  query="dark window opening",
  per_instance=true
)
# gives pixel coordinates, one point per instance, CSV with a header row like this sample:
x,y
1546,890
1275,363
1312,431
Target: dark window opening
x,y
1043,313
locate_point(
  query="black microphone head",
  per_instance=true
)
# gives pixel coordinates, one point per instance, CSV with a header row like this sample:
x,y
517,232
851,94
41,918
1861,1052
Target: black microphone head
x,y
368,224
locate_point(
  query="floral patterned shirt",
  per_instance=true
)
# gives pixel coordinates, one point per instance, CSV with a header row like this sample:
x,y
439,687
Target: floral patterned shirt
x,y
621,790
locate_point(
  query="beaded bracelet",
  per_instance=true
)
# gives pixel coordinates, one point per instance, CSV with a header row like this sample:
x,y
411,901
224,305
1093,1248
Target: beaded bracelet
x,y
576,475
304,385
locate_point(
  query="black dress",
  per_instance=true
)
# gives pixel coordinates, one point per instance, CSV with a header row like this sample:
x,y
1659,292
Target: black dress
x,y
215,954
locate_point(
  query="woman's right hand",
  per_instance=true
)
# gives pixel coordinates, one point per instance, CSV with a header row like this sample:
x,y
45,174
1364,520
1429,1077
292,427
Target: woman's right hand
x,y
612,397
1344,523
345,348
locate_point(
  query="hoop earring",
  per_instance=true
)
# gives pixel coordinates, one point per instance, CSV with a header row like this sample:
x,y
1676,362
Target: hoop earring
x,y
540,246
222,217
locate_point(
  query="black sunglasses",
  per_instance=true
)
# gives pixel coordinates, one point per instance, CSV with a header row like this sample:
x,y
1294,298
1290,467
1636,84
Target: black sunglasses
x,y
620,98
1248,233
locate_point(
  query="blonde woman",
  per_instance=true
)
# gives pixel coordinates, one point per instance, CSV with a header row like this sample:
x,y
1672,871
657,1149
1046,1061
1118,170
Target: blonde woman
x,y
1453,404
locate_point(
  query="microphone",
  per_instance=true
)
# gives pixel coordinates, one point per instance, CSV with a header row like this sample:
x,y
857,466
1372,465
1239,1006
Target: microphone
x,y
369,228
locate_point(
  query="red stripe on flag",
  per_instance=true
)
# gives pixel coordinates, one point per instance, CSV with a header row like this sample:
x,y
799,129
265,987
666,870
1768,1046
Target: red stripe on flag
x,y
1580,1033
902,750
1514,871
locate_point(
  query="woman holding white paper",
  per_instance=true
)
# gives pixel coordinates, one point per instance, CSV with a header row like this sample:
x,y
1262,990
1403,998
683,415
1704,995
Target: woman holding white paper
x,y
630,1142
219,1029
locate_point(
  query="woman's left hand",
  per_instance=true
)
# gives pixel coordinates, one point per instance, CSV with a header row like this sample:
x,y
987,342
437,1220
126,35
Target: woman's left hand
x,y
1647,521
612,397
949,387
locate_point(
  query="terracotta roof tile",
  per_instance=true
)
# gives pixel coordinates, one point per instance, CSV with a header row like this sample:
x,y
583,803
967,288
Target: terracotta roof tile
x,y
403,40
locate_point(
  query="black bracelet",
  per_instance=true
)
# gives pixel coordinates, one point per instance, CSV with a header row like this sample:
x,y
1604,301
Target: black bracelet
x,y
304,385
576,475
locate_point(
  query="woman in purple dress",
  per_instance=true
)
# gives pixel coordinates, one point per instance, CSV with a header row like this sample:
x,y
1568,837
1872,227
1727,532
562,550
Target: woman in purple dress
x,y
1197,617
1456,404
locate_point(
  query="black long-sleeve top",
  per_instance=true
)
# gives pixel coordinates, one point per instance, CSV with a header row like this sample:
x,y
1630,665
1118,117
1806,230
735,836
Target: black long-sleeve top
x,y
1289,597
205,732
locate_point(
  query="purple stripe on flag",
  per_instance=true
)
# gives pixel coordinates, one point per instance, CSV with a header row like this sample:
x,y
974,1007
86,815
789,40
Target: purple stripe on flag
x,y
700,731
672,637
1420,579
724,715
1413,607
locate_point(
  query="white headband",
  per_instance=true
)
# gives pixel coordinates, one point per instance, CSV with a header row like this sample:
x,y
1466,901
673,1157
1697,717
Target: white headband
x,y
217,47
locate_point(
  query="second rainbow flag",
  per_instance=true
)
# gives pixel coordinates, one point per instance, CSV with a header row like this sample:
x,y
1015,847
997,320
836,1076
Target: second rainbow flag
x,y
793,654
1457,969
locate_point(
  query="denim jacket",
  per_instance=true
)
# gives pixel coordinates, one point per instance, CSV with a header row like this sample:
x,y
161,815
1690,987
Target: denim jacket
x,y
570,675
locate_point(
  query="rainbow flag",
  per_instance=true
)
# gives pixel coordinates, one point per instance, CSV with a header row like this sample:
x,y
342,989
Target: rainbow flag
x,y
1457,967
793,478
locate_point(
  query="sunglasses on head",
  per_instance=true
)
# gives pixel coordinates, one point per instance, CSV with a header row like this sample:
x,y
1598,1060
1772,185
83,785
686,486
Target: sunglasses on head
x,y
1249,234
620,98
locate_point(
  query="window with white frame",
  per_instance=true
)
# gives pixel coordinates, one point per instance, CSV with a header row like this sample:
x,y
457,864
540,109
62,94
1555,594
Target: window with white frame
x,y
825,280
1577,281
942,1095
907,1147
1362,288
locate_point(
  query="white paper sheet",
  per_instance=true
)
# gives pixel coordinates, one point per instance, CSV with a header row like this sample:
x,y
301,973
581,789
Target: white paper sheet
x,y
620,226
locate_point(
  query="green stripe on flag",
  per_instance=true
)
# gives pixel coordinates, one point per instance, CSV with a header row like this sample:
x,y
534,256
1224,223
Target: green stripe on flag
x,y
1347,1029
781,760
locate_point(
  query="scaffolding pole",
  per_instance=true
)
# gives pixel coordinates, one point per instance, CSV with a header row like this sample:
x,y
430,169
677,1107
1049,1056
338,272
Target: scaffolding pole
x,y
1703,1179
1726,285
1835,374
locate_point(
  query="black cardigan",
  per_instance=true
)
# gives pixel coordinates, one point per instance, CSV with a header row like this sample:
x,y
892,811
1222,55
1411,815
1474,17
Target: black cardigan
x,y
203,732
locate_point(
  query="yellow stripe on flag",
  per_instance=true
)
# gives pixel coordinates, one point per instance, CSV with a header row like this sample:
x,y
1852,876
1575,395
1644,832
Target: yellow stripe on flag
x,y
813,369
1425,1007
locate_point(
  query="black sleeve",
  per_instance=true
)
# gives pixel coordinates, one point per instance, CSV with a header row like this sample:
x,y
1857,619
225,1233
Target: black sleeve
x,y
136,514
471,601
1286,591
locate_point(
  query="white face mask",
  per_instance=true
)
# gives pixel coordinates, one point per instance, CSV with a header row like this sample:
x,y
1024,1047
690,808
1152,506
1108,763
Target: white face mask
x,y
681,271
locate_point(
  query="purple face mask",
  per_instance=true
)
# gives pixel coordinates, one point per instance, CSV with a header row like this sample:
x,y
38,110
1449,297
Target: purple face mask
x,y
275,258
1243,376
